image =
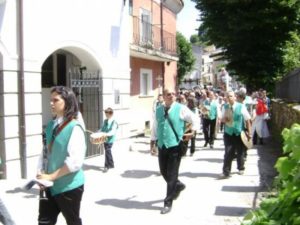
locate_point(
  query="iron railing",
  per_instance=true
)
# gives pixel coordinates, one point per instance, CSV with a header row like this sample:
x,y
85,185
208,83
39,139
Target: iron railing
x,y
151,36
288,88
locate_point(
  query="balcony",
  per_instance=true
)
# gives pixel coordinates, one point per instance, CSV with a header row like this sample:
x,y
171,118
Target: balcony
x,y
151,42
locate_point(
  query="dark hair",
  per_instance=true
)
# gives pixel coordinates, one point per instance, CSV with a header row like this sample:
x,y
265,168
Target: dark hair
x,y
109,110
191,103
71,105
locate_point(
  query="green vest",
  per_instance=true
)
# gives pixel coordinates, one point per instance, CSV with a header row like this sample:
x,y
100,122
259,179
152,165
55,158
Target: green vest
x,y
57,156
165,134
213,111
238,120
107,127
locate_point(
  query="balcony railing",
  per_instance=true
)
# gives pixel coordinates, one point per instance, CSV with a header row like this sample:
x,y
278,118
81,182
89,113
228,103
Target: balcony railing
x,y
149,36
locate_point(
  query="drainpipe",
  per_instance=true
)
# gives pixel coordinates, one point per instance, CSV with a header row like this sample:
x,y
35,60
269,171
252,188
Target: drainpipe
x,y
162,44
22,124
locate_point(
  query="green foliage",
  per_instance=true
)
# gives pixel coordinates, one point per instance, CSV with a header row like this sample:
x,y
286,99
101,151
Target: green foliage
x,y
198,40
186,57
284,207
252,34
291,53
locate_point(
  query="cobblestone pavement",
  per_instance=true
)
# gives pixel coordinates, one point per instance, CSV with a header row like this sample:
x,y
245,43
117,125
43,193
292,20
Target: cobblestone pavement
x,y
133,192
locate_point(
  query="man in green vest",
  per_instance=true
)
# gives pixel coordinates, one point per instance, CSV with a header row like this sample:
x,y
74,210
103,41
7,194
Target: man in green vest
x,y
234,115
209,122
168,131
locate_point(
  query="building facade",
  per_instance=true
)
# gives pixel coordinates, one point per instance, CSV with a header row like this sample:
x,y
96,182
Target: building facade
x,y
79,44
153,58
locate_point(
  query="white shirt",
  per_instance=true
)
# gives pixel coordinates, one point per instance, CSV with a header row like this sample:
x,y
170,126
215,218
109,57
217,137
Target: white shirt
x,y
185,114
76,149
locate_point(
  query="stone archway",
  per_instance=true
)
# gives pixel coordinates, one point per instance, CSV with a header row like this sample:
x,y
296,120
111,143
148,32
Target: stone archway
x,y
75,68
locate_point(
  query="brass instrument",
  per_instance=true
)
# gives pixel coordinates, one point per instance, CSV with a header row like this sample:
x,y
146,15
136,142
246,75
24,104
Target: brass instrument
x,y
204,111
228,117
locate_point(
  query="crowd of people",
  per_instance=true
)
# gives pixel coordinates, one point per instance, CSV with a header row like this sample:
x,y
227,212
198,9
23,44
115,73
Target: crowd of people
x,y
177,119
240,116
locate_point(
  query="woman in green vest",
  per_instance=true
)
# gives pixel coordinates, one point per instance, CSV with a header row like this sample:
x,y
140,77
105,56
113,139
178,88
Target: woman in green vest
x,y
62,164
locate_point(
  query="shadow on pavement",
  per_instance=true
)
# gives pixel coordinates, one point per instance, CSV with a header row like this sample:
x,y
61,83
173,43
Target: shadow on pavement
x,y
139,173
211,160
241,188
195,175
91,167
231,211
31,193
268,155
130,204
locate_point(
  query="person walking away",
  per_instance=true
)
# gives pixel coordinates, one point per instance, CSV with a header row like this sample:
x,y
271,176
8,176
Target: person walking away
x,y
168,130
259,127
66,148
109,127
233,115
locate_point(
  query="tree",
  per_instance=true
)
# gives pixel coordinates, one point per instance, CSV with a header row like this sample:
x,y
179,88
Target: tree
x,y
197,39
291,53
252,34
186,57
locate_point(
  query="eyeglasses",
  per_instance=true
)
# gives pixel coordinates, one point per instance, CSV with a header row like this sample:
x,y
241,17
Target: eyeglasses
x,y
107,112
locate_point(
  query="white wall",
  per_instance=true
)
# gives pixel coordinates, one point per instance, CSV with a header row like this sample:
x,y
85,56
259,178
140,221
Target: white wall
x,y
95,31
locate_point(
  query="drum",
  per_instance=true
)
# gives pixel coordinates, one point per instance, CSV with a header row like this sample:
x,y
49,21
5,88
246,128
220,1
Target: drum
x,y
98,138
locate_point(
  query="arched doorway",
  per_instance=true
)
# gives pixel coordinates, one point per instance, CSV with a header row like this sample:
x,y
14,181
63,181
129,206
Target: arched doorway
x,y
78,70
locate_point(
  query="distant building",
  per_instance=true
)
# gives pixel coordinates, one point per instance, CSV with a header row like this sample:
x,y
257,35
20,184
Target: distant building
x,y
194,78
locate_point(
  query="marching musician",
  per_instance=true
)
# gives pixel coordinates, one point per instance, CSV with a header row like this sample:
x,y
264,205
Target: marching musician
x,y
109,128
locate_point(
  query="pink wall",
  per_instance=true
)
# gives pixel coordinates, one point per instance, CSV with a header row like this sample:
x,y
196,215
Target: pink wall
x,y
136,64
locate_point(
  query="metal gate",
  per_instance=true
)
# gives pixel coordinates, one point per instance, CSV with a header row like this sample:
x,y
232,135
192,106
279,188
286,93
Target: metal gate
x,y
88,88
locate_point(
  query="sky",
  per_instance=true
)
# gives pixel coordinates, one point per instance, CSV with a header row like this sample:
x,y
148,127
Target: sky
x,y
187,19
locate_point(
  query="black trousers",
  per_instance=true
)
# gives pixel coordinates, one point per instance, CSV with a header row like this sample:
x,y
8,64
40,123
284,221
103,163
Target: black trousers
x,y
68,203
233,145
193,145
209,127
169,162
109,161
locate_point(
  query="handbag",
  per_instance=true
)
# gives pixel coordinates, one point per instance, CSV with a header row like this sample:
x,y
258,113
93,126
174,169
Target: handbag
x,y
183,146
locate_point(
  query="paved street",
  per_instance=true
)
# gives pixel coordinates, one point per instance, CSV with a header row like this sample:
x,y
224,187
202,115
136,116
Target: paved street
x,y
133,192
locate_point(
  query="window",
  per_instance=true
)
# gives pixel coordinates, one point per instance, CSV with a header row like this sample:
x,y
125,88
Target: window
x,y
145,27
145,82
130,8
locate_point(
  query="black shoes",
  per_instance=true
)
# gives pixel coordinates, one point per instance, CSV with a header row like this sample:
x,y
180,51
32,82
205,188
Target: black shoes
x,y
205,145
223,176
179,189
166,209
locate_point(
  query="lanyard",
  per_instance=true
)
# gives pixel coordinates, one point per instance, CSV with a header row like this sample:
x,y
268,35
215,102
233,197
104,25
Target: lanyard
x,y
57,129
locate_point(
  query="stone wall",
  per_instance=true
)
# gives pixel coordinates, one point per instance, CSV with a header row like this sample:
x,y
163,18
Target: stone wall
x,y
283,116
